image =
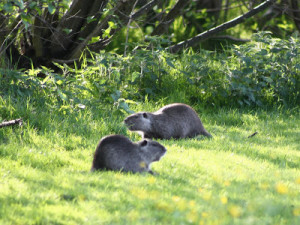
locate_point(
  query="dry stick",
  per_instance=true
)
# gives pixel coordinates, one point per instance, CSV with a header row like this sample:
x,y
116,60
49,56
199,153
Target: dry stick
x,y
200,37
11,123
252,135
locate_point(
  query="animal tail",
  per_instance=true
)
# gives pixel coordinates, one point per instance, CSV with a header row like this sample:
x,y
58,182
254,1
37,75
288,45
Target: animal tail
x,y
205,133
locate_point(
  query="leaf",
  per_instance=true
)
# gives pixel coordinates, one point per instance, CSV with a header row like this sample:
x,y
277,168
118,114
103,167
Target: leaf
x,y
247,60
51,8
59,82
67,31
8,7
170,63
112,25
130,101
268,79
90,19
62,95
135,76
123,105
46,79
32,5
247,70
94,39
263,52
275,50
106,33
115,96
20,3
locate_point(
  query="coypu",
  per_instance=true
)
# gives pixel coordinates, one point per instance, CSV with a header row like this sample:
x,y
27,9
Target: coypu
x,y
117,152
172,121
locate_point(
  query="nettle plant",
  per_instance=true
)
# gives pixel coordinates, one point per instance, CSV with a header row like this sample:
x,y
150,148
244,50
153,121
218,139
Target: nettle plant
x,y
266,71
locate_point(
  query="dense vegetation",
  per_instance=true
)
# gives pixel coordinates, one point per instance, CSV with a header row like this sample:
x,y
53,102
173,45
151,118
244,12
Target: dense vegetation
x,y
263,72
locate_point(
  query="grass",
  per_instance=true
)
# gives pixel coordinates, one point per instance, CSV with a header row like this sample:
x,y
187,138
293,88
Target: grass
x,y
230,179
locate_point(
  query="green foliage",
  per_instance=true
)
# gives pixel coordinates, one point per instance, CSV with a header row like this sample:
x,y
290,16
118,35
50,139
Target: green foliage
x,y
262,72
266,71
28,10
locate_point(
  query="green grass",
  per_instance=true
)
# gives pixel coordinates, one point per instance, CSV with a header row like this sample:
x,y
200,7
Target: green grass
x,y
230,179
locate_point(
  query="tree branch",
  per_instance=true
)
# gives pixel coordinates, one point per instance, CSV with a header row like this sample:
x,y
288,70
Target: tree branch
x,y
200,37
169,18
144,9
73,20
96,11
104,42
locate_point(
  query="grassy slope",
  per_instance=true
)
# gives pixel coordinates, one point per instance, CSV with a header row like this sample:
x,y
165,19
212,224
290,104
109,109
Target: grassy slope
x,y
229,179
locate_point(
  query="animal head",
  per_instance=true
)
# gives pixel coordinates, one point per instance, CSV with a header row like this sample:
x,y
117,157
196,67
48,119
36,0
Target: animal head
x,y
139,121
151,150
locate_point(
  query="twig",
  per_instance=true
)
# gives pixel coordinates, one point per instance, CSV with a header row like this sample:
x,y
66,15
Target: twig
x,y
11,123
252,135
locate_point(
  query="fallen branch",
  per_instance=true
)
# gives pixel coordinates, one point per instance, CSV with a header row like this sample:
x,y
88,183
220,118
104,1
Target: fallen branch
x,y
11,123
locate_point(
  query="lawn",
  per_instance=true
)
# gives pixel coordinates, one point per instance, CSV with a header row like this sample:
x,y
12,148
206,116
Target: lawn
x,y
229,179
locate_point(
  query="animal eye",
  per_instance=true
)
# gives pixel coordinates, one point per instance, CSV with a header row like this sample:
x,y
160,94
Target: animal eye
x,y
144,143
145,115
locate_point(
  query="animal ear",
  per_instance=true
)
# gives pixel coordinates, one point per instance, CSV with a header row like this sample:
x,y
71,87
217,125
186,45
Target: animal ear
x,y
145,115
144,143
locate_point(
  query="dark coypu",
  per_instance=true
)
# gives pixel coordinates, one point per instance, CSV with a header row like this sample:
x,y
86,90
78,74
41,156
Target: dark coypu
x,y
172,121
117,152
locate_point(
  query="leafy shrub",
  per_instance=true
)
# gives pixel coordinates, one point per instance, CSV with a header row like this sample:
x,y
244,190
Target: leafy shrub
x,y
262,72
265,71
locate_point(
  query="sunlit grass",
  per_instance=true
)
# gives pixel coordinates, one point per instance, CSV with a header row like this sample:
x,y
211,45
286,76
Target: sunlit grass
x,y
230,179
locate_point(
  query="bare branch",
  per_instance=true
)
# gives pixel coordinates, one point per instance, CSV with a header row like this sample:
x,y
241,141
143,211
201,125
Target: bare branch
x,y
203,36
144,9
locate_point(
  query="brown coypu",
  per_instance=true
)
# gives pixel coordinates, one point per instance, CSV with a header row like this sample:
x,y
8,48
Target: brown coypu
x,y
171,121
117,152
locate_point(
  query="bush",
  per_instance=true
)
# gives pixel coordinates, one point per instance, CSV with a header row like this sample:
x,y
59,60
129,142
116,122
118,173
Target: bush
x,y
262,72
265,71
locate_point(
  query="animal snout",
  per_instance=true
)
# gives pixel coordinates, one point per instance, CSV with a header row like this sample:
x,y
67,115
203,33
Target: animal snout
x,y
126,121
